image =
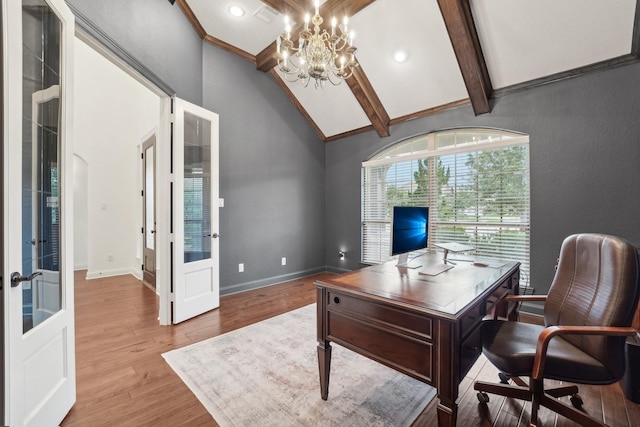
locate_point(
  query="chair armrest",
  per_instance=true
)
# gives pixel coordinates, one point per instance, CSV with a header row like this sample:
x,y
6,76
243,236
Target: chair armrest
x,y
552,331
526,297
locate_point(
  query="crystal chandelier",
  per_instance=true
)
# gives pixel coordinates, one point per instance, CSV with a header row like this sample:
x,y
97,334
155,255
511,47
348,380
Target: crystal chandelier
x,y
319,55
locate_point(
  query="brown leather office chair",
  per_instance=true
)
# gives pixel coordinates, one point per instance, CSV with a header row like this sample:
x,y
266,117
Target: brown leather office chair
x,y
587,314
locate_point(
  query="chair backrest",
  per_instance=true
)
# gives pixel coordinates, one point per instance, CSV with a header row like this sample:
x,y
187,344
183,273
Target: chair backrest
x,y
597,283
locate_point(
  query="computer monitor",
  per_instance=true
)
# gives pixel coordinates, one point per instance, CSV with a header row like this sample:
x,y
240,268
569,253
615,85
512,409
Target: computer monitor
x,y
409,232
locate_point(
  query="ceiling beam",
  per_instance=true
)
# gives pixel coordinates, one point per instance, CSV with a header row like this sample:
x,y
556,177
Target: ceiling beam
x,y
358,82
369,101
289,6
186,9
429,111
466,45
265,59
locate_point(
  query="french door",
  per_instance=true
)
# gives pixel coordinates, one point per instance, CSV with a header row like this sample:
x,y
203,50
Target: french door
x,y
149,210
39,362
196,206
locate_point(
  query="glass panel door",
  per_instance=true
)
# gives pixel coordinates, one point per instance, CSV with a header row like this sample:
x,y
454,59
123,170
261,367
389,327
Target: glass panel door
x,y
40,159
195,218
37,156
197,188
150,210
149,193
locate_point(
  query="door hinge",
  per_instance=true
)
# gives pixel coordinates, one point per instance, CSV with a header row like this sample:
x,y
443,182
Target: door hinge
x,y
142,230
142,193
142,267
142,156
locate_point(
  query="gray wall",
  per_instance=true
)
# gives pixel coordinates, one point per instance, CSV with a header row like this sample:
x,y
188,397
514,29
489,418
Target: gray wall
x,y
155,33
584,133
271,161
271,176
585,163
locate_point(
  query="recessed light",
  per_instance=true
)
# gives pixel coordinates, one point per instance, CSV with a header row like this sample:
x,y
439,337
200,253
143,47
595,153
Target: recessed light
x,y
236,11
400,56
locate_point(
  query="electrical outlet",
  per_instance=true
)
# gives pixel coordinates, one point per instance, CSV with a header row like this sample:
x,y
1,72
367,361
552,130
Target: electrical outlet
x,y
284,260
241,267
109,257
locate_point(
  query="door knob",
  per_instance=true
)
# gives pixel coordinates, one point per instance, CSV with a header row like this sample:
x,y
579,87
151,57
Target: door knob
x,y
17,278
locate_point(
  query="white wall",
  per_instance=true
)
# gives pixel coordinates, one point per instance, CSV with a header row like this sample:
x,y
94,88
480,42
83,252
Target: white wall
x,y
113,112
80,214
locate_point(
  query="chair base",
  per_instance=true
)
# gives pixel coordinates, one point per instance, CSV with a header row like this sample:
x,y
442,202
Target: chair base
x,y
547,398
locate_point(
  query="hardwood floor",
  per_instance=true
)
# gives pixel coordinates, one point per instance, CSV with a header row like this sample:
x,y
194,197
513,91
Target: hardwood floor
x,y
123,380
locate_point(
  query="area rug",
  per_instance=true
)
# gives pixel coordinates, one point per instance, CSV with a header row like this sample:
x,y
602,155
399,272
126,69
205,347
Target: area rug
x,y
266,374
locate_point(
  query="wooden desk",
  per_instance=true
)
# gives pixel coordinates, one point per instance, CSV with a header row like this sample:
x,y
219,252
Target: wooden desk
x,y
427,327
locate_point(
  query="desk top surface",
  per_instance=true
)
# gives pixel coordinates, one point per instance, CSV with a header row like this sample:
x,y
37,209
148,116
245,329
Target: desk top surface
x,y
446,294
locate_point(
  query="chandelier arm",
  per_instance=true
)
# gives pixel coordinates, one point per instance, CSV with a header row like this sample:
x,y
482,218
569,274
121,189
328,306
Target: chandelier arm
x,y
335,83
291,77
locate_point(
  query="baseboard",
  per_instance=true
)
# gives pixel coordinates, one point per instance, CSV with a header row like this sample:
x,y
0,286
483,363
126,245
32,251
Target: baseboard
x,y
110,273
80,267
255,284
336,270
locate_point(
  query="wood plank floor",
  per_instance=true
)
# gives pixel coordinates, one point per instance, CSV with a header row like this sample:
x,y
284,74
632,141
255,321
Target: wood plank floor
x,y
123,380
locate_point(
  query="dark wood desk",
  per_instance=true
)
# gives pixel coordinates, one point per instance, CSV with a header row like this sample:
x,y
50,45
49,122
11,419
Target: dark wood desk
x,y
427,327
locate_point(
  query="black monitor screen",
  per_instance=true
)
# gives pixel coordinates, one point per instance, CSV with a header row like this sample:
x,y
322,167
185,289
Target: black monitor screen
x,y
409,228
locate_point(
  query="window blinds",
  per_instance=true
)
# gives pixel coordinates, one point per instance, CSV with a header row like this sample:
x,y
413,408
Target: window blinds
x,y
476,187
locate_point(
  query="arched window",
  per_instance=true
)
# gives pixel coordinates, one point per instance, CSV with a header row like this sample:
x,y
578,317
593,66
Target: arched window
x,y
474,181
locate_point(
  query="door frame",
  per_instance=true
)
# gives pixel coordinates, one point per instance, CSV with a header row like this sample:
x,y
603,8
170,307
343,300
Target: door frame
x,y
89,33
2,314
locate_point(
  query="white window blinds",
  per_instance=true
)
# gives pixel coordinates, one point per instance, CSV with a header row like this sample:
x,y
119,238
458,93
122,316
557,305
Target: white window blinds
x,y
475,182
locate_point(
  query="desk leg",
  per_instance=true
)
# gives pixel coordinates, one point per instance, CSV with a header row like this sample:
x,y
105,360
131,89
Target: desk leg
x,y
447,373
447,415
324,366
324,346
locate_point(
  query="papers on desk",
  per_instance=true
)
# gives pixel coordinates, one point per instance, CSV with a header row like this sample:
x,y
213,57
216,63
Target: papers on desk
x,y
492,263
434,270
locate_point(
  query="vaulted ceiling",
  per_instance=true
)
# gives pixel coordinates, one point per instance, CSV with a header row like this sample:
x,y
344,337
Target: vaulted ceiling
x,y
458,51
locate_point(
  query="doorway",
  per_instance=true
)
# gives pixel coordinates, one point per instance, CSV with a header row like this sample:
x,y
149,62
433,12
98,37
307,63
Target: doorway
x,y
149,211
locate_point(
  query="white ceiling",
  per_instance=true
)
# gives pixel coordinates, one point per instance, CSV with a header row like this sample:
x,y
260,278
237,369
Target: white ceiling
x,y
521,40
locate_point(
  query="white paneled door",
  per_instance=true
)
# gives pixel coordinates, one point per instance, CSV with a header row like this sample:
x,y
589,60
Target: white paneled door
x,y
195,207
39,362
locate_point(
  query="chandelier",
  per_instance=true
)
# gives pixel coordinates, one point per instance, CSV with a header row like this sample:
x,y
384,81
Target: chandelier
x,y
319,55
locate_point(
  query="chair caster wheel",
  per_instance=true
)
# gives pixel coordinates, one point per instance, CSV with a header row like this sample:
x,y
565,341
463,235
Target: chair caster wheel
x,y
576,400
504,378
482,397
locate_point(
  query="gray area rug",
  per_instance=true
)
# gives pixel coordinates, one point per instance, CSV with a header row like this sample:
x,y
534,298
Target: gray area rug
x,y
266,374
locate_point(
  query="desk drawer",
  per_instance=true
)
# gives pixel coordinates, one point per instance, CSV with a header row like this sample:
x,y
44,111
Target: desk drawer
x,y
378,313
508,287
471,319
400,351
493,299
470,350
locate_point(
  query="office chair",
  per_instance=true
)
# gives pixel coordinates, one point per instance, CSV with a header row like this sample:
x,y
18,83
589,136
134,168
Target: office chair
x,y
587,315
